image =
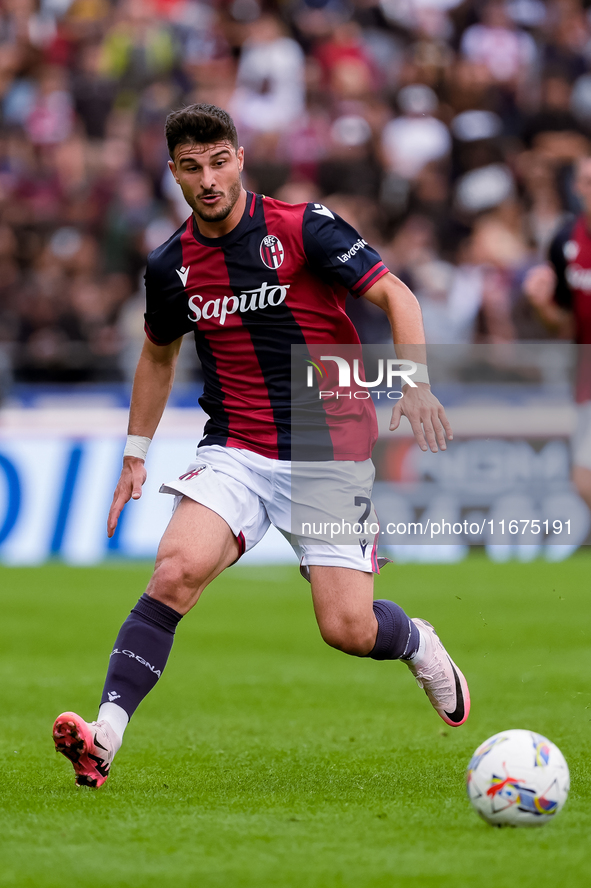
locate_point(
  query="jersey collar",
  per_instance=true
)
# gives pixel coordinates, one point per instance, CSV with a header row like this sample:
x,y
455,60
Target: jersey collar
x,y
231,236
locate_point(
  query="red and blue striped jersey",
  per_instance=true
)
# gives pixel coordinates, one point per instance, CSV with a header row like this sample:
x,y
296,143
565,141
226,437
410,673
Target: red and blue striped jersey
x,y
278,279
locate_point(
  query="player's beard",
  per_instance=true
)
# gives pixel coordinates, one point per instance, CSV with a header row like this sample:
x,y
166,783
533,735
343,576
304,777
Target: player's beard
x,y
216,214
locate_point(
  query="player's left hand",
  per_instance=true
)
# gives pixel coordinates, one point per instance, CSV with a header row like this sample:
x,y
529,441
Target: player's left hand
x,y
427,417
132,478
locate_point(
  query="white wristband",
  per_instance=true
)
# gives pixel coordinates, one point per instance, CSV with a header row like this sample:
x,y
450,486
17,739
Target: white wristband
x,y
137,446
421,374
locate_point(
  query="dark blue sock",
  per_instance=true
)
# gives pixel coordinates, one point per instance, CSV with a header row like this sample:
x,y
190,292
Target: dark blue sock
x,y
398,638
140,653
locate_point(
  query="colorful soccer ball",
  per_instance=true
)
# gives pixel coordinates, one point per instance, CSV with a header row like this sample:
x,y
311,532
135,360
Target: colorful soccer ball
x,y
517,778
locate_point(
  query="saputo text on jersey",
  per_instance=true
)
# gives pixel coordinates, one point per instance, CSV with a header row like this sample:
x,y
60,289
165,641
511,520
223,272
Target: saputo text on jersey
x,y
262,297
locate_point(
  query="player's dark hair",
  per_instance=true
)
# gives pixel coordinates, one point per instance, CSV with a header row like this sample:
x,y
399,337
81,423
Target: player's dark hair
x,y
202,124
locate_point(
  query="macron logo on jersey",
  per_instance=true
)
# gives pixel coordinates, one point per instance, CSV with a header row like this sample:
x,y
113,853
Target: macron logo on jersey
x,y
322,211
183,273
360,244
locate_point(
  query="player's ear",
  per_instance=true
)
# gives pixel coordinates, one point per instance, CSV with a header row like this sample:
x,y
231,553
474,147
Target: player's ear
x,y
172,168
240,156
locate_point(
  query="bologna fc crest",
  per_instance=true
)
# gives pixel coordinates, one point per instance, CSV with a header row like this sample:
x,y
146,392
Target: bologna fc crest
x,y
272,252
192,473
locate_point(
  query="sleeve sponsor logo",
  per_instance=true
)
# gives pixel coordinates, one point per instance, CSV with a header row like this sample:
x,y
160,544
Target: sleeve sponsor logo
x,y
264,296
272,252
360,244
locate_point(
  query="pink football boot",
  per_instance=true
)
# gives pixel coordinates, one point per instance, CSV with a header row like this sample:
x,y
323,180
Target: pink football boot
x,y
440,678
89,746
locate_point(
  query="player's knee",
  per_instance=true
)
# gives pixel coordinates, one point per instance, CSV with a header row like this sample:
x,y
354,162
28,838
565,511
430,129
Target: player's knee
x,y
176,581
350,636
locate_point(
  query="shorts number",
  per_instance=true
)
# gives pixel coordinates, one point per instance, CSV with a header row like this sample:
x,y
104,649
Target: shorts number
x,y
363,501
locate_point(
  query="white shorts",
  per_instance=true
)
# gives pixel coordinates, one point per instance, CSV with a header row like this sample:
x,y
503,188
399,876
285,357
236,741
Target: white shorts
x,y
251,492
581,440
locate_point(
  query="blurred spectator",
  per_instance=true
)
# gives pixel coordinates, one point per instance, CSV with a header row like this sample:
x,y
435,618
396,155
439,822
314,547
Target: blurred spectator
x,y
416,137
506,51
444,130
269,97
52,114
93,91
347,68
270,80
131,211
554,114
351,166
567,38
138,47
544,211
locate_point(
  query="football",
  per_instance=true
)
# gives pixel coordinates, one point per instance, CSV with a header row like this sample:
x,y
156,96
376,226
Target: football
x,y
517,778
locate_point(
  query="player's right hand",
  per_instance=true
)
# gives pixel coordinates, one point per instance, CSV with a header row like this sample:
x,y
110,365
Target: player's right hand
x,y
129,486
539,285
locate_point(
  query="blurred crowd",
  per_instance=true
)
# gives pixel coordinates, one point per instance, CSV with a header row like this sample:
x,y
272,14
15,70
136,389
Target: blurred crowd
x,y
444,131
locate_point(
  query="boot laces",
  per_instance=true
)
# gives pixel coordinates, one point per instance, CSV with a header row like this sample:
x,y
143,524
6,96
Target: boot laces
x,y
434,681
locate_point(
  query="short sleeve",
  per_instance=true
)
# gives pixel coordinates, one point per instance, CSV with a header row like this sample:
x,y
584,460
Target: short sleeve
x,y
166,317
335,250
562,294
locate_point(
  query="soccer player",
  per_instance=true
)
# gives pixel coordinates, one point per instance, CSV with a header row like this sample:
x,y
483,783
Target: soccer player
x,y
560,291
250,277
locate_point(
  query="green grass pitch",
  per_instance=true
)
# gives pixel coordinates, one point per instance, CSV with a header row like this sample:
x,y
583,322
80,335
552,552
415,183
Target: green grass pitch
x,y
264,759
